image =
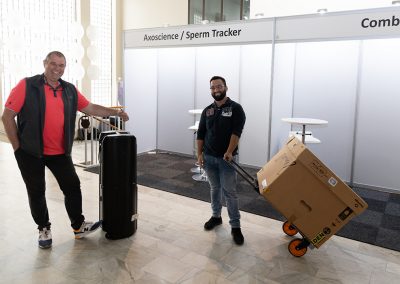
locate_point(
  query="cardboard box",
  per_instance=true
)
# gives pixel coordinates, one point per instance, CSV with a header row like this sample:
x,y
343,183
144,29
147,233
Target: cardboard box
x,y
308,193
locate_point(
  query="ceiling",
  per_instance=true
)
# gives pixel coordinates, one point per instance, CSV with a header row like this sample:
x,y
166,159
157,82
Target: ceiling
x,y
279,8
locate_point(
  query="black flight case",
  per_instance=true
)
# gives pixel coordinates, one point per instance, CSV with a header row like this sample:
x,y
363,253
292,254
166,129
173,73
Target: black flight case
x,y
118,184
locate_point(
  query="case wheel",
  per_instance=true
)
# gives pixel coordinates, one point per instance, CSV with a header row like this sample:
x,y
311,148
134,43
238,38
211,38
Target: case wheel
x,y
297,247
288,229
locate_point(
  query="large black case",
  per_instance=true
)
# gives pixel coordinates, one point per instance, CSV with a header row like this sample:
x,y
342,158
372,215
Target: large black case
x,y
118,184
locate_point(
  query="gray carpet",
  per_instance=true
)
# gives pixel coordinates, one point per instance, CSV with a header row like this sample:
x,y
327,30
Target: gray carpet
x,y
378,225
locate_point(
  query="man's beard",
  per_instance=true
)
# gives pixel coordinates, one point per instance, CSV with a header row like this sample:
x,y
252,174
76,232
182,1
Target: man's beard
x,y
219,96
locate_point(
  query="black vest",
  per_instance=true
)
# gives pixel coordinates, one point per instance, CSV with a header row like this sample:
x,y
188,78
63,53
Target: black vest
x,y
30,119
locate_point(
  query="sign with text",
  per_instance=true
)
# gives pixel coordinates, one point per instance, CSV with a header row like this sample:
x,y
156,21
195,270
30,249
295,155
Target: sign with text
x,y
378,23
243,32
372,23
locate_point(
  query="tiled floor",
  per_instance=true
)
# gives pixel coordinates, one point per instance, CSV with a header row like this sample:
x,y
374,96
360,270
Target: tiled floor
x,y
170,245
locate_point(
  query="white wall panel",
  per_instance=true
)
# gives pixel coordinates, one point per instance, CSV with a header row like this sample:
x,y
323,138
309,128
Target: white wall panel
x,y
141,96
377,136
176,67
255,74
138,14
312,79
216,60
282,101
325,88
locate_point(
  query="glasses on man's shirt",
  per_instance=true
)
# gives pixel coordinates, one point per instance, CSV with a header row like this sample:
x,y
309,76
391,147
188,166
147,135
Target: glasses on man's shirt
x,y
54,89
217,87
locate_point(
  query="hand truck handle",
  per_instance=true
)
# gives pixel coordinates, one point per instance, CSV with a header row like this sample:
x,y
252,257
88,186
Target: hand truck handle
x,y
245,175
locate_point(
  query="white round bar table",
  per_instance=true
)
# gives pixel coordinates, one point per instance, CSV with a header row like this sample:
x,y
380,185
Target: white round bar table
x,y
304,122
200,174
197,169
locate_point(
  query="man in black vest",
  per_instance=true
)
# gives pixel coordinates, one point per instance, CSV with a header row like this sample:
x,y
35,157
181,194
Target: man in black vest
x,y
46,106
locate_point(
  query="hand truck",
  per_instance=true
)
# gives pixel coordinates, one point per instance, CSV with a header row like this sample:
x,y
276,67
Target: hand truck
x,y
298,246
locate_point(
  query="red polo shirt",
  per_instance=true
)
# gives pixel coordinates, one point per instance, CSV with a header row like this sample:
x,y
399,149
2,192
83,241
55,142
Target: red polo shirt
x,y
53,132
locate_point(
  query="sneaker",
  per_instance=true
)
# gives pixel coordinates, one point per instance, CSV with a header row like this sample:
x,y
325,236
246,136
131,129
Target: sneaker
x,y
214,221
237,236
86,228
45,240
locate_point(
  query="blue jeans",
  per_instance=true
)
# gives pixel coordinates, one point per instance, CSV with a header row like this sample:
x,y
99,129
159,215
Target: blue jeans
x,y
222,178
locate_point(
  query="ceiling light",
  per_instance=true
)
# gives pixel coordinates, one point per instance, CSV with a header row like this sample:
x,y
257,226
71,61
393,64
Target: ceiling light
x,y
322,11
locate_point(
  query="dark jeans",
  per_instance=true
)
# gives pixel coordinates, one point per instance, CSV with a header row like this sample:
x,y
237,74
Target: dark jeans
x,y
33,172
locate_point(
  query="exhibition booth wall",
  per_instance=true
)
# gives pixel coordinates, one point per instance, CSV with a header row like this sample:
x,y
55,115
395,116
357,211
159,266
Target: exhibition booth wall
x,y
340,67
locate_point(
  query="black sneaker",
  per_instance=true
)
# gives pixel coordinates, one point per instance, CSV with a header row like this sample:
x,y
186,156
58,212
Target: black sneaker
x,y
214,221
237,236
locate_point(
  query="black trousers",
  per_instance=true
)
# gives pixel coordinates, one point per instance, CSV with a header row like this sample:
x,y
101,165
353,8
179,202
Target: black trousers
x,y
33,172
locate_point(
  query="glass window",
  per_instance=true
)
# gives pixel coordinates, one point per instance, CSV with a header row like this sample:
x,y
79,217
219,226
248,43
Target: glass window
x,y
100,53
218,10
213,10
196,11
246,10
231,10
29,29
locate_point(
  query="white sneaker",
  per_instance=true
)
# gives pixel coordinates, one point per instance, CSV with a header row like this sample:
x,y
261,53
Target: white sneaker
x,y
45,240
86,228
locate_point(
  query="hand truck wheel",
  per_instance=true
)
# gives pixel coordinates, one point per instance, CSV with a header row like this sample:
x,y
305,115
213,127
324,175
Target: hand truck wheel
x,y
289,229
298,247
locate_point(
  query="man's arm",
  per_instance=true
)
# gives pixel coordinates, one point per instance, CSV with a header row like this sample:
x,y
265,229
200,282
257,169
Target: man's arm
x,y
10,127
98,110
233,142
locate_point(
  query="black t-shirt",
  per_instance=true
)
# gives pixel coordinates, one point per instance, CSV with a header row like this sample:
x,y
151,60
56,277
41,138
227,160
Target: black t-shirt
x,y
217,124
